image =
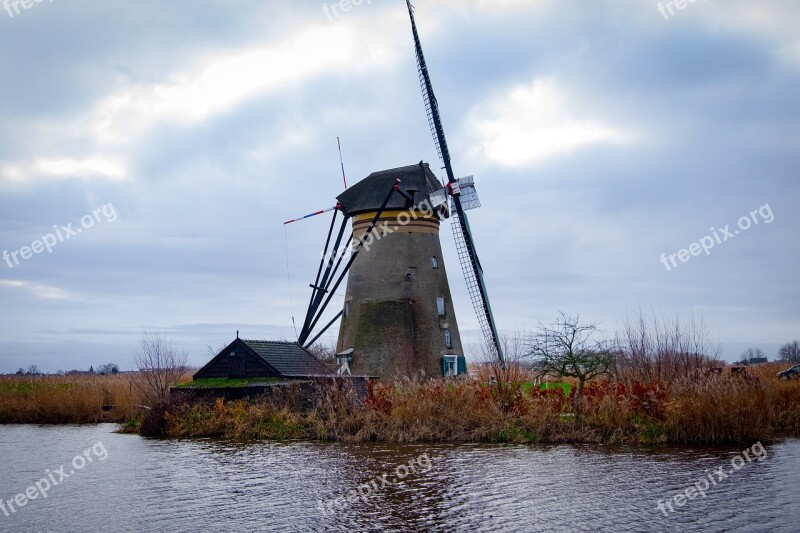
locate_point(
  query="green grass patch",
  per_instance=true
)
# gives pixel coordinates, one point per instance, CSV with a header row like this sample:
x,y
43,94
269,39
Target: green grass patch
x,y
215,383
131,426
511,433
13,387
565,387
653,433
19,387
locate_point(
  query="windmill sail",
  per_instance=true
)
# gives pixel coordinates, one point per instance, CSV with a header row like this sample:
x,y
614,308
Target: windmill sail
x,y
465,245
469,196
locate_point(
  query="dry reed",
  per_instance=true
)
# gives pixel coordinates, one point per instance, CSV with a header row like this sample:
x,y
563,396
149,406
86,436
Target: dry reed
x,y
713,409
77,399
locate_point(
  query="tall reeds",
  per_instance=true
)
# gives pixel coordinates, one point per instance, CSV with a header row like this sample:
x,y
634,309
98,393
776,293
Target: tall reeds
x,y
713,410
68,399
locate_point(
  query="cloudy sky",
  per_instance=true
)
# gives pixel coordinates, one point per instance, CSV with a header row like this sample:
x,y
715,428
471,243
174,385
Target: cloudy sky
x,y
178,136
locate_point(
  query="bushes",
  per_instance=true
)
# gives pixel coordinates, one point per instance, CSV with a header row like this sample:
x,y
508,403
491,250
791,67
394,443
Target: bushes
x,y
707,409
238,419
717,409
712,410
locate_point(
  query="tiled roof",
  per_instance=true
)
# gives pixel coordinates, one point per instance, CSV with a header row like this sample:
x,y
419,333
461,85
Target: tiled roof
x,y
288,358
369,193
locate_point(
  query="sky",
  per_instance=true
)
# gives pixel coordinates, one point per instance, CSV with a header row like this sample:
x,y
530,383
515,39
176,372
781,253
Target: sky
x,y
628,158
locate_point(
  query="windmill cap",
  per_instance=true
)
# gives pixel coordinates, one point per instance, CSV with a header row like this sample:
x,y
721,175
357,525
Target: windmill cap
x,y
368,194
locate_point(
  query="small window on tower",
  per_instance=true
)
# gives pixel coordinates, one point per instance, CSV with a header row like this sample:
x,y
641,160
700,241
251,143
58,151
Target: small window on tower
x,y
434,262
440,305
346,309
449,366
448,339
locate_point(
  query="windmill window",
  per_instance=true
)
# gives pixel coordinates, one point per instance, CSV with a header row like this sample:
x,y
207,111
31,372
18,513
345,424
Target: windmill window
x,y
440,305
448,338
346,309
434,262
450,366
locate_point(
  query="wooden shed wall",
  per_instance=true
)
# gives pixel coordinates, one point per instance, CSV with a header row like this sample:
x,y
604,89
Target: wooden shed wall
x,y
220,366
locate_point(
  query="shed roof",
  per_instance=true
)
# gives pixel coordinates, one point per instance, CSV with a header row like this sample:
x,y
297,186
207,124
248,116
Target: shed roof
x,y
288,358
369,193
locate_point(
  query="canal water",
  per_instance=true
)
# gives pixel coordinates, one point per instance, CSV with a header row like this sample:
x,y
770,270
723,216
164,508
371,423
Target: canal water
x,y
87,478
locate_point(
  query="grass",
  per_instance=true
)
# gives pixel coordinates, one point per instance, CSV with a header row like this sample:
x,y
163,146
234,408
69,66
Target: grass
x,y
67,399
707,409
565,387
22,385
70,399
716,409
210,383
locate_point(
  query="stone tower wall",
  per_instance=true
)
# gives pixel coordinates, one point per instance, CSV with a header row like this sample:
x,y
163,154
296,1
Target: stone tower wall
x,y
392,320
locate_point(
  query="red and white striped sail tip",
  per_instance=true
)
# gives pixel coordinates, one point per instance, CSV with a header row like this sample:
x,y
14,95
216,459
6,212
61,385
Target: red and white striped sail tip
x,y
337,206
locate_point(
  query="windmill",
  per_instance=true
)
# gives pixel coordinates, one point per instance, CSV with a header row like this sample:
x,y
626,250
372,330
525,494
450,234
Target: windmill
x,y
397,317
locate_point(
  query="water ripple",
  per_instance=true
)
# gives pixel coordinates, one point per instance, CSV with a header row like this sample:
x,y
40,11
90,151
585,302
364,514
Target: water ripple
x,y
166,485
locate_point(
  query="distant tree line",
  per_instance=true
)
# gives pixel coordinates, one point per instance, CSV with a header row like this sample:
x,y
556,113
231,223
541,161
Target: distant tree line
x,y
102,370
788,353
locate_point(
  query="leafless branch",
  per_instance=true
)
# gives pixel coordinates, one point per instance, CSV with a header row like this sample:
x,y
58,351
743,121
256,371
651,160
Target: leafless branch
x,y
160,364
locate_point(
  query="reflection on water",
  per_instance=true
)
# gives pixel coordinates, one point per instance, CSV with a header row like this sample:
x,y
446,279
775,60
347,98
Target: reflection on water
x,y
166,485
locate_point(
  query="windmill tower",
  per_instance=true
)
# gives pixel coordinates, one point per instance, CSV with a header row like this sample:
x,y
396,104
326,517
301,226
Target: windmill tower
x,y
397,317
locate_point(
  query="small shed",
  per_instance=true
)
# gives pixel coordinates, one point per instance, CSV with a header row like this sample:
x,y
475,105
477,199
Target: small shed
x,y
244,359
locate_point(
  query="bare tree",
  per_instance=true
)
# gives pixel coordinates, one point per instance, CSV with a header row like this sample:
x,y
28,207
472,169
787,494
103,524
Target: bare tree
x,y
752,353
33,370
657,348
506,381
108,368
571,349
213,352
160,365
790,352
324,353
516,369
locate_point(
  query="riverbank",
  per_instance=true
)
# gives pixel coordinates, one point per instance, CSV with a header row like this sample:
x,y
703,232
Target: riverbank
x,y
711,409
714,409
